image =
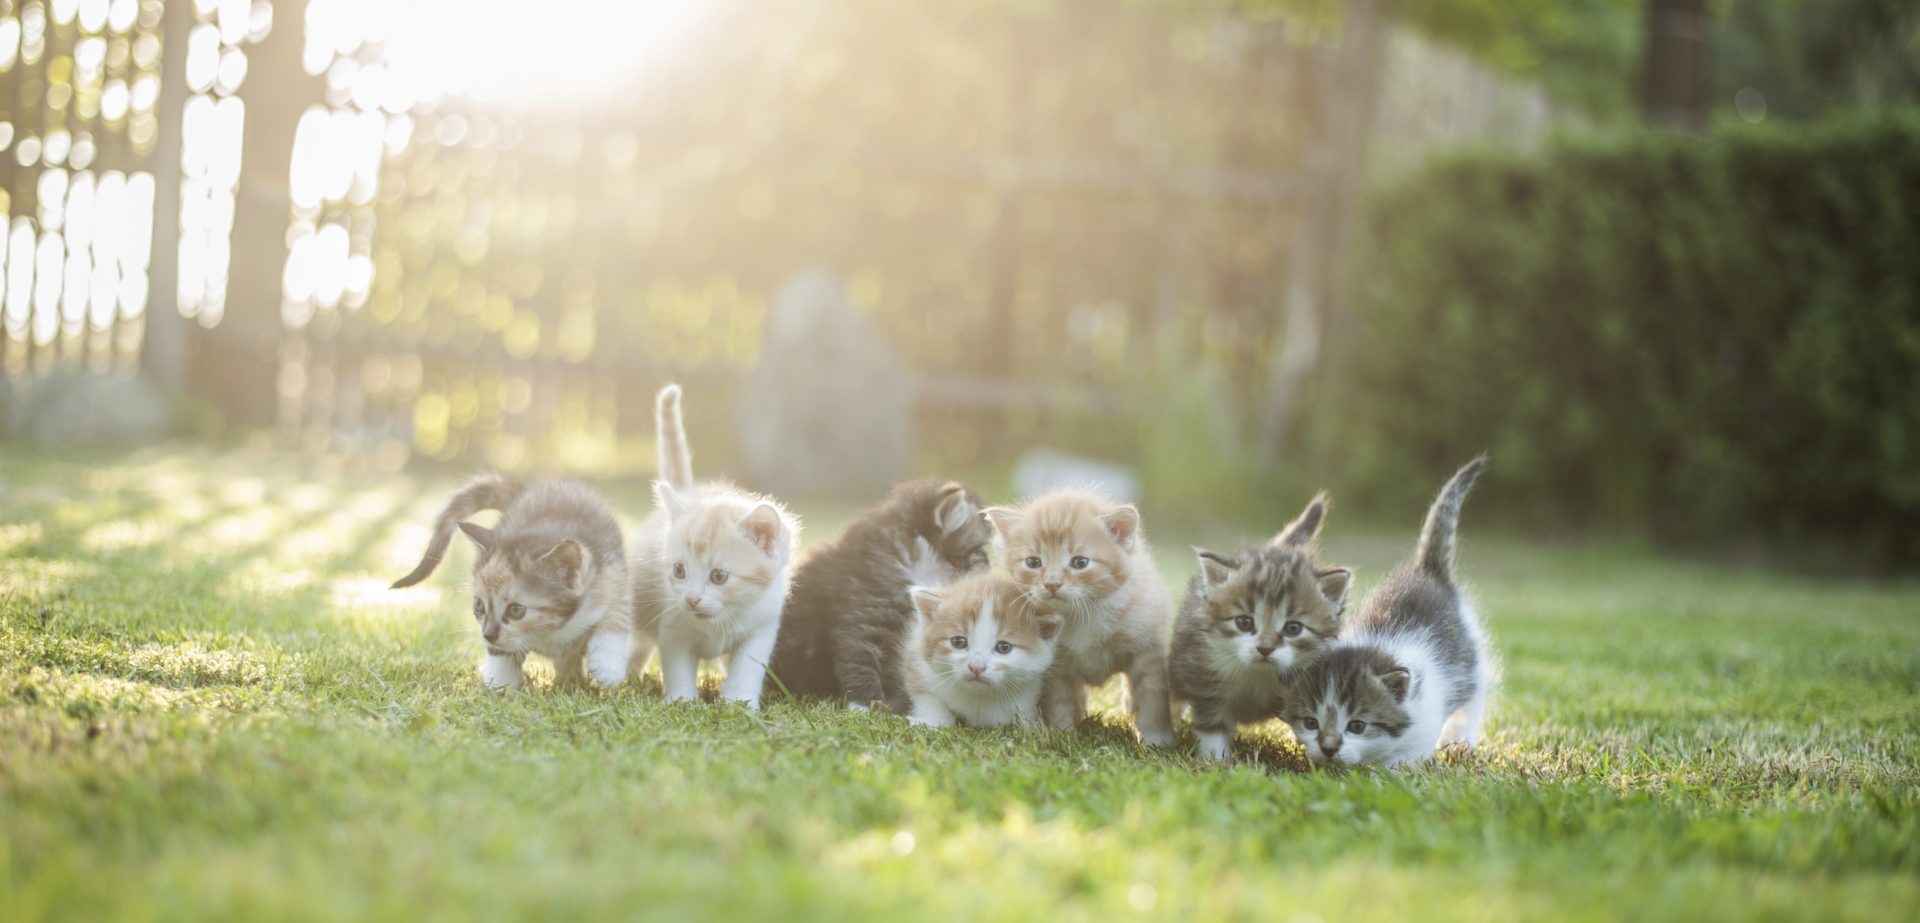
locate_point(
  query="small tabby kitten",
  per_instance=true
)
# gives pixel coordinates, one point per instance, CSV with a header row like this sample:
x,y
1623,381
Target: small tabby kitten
x,y
849,609
978,653
1082,557
550,578
1248,620
711,566
1412,671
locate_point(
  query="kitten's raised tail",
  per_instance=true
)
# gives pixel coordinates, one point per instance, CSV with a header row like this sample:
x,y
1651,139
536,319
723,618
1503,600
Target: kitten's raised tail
x,y
676,462
1435,555
486,492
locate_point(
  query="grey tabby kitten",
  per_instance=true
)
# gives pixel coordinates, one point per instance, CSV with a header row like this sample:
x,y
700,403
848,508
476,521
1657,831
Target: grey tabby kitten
x,y
1413,670
850,610
550,578
1247,621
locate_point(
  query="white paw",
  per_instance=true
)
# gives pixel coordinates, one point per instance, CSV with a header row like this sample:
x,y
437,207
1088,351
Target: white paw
x,y
1216,747
1157,738
607,659
500,672
859,707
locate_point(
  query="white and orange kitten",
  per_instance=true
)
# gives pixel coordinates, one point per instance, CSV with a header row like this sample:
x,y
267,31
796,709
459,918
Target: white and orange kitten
x,y
711,569
977,653
1086,559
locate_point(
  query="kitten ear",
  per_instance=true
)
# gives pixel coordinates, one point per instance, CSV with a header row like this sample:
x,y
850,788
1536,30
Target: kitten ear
x,y
1396,680
955,509
1334,582
926,601
1214,569
1124,525
1005,519
567,560
666,498
1303,529
763,527
481,535
1050,625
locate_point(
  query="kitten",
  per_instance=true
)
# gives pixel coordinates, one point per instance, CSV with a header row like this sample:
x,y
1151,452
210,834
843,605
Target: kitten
x,y
711,567
1412,671
849,609
550,578
978,653
1085,558
1249,619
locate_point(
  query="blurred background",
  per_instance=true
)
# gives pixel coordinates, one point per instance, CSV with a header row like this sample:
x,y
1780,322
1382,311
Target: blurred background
x,y
1660,257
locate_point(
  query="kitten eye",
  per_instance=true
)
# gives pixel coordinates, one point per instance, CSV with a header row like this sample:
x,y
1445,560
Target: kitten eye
x,y
1356,726
718,577
479,608
515,610
1244,623
1310,724
1080,562
1003,647
1033,563
1293,629
679,572
959,642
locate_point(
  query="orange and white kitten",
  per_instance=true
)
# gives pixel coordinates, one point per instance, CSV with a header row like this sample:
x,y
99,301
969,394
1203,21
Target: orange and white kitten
x,y
711,568
977,653
1083,557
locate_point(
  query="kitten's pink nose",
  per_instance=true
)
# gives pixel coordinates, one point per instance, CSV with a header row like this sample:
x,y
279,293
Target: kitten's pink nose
x,y
1053,589
1264,651
693,602
979,667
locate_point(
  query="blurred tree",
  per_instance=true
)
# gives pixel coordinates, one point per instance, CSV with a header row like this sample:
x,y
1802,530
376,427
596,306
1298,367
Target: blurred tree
x,y
1802,58
1674,64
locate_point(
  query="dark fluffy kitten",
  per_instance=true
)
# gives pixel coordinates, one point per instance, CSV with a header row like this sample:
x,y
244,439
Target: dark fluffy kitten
x,y
849,609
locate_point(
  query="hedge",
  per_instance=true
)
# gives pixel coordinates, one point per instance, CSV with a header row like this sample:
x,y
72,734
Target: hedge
x,y
1715,338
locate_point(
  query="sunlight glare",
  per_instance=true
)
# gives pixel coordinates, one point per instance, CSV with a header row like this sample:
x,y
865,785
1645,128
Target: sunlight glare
x,y
508,52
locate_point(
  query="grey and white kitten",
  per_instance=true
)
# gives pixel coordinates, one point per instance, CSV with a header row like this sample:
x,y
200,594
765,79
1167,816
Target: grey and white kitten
x,y
849,611
1412,671
711,569
550,578
1247,621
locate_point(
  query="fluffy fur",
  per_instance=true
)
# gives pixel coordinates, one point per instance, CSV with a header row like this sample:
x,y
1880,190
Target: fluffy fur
x,y
712,564
550,578
1413,671
977,654
849,610
1086,559
1247,621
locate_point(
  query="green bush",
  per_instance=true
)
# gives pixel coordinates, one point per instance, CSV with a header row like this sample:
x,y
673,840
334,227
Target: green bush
x,y
1714,338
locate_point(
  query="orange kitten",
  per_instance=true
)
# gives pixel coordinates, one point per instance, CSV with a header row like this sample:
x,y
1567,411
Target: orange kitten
x,y
977,653
1085,558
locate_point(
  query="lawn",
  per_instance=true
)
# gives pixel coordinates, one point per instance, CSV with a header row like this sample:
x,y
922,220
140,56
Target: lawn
x,y
212,707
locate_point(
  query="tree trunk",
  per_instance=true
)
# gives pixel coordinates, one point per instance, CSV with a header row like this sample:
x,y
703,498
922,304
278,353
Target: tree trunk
x,y
1674,78
166,347
1348,93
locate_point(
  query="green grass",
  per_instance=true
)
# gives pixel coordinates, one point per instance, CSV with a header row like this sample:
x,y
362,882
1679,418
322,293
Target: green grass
x,y
211,707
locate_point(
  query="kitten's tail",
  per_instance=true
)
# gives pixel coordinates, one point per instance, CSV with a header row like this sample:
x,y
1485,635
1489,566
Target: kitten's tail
x,y
486,492
676,462
1435,555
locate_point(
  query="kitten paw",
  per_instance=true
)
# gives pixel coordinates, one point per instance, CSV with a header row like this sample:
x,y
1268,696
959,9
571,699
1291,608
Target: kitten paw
x,y
501,673
1216,747
607,659
1157,738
